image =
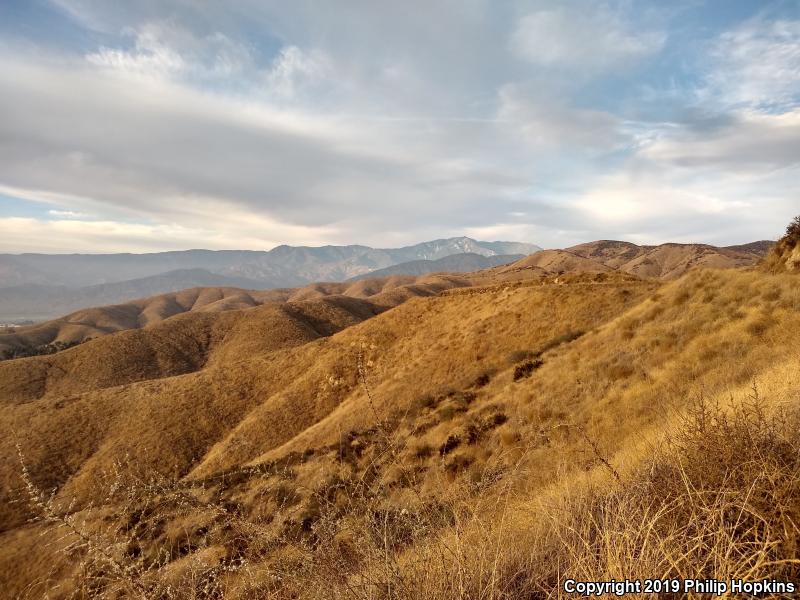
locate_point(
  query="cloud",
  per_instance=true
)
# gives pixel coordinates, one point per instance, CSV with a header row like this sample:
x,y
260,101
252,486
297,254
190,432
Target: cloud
x,y
630,198
756,65
742,175
587,37
293,71
550,122
748,144
67,214
149,57
257,122
158,149
73,232
654,205
162,49
58,236
732,159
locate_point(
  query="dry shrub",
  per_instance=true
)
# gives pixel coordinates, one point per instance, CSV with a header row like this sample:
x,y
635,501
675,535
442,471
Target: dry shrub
x,y
526,369
785,255
565,338
483,379
719,499
106,548
533,356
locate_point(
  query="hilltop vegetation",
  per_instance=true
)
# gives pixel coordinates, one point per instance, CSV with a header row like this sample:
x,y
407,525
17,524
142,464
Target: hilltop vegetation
x,y
481,436
786,255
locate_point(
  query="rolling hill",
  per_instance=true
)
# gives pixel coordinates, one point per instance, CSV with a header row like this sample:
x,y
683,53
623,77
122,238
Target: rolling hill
x,y
36,301
438,436
670,261
87,324
39,286
392,285
55,285
455,263
556,261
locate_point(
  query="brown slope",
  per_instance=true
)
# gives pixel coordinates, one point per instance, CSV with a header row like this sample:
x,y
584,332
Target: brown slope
x,y
255,403
610,350
97,322
759,248
669,261
555,261
213,327
426,346
440,368
128,390
610,252
179,345
666,261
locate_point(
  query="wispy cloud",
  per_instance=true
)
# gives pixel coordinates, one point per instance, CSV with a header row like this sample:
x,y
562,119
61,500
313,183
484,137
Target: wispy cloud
x,y
67,214
756,66
584,37
257,123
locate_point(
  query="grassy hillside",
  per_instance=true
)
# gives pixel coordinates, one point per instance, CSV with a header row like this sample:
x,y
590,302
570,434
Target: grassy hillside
x,y
389,287
483,437
40,302
93,323
669,261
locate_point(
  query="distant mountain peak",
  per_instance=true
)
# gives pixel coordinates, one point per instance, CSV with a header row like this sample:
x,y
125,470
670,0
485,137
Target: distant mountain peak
x,y
440,248
91,279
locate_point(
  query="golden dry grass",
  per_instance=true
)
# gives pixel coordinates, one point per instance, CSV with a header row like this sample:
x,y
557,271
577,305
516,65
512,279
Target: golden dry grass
x,y
668,261
485,442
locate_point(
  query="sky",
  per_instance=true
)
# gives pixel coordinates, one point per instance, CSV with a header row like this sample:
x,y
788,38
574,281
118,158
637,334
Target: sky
x,y
156,125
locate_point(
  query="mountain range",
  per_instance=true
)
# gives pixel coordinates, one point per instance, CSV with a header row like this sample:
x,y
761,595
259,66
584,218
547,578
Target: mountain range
x,y
455,263
194,290
39,286
36,287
